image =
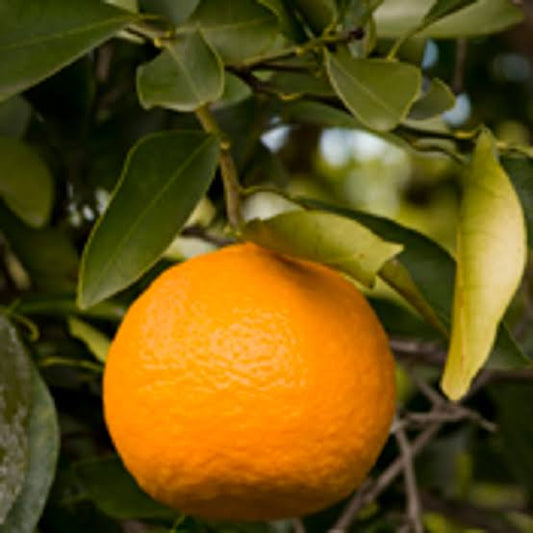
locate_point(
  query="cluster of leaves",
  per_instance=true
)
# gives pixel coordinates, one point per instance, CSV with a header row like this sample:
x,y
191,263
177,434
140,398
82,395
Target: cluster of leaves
x,y
187,90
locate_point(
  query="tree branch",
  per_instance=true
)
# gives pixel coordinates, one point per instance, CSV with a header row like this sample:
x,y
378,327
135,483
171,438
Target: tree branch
x,y
414,512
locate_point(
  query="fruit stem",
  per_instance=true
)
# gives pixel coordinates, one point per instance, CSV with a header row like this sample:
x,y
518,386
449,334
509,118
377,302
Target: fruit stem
x,y
228,170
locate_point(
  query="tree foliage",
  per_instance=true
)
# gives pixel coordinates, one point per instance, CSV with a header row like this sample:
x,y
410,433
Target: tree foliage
x,y
136,133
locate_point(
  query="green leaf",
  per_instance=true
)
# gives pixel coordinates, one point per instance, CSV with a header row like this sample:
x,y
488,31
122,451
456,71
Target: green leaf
x,y
514,408
185,76
15,115
47,254
491,255
128,5
116,493
437,99
326,238
26,185
164,177
395,18
39,38
95,340
15,402
432,270
289,24
62,306
176,12
442,8
43,447
364,85
319,14
295,84
237,30
520,170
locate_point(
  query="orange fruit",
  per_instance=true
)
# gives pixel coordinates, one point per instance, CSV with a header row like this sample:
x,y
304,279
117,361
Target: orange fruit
x,y
246,385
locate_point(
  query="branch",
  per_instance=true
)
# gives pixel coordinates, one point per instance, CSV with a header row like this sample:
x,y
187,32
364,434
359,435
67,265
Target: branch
x,y
228,171
302,49
414,512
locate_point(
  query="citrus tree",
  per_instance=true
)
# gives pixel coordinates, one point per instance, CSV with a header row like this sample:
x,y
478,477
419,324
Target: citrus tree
x,y
134,135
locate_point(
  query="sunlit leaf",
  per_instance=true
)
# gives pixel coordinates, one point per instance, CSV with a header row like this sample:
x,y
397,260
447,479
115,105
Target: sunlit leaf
x,y
491,255
237,30
326,238
437,99
377,92
38,38
164,177
395,18
15,403
115,492
96,341
185,76
43,448
22,173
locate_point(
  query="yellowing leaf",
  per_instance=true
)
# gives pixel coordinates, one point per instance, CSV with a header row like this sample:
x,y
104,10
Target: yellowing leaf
x,y
331,239
491,255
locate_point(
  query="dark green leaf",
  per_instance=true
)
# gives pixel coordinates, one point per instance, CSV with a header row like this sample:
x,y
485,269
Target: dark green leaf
x,y
323,237
25,182
364,85
185,76
437,99
319,14
14,116
238,30
520,170
43,447
176,12
15,402
37,38
164,177
514,406
47,254
491,255
395,18
62,306
116,493
289,24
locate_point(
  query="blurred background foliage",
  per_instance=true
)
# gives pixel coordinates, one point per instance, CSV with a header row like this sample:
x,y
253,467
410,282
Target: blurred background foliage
x,y
80,124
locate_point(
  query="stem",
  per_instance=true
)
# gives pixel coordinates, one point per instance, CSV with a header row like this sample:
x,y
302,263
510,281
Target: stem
x,y
300,50
414,511
228,170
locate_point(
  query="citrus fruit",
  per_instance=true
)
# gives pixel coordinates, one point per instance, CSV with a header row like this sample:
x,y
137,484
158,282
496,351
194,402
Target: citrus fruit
x,y
246,385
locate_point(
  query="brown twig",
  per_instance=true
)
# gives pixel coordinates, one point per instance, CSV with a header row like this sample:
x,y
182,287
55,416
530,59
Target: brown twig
x,y
414,512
